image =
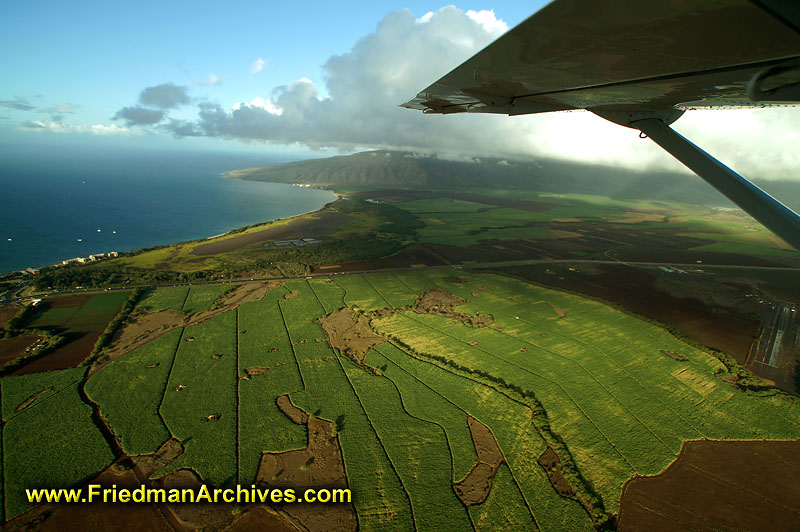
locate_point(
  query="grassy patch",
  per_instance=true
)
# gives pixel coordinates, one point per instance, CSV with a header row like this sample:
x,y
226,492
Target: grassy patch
x,y
263,342
201,385
167,298
53,443
129,392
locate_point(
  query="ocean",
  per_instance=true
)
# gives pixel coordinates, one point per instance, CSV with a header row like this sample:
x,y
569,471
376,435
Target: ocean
x,y
61,203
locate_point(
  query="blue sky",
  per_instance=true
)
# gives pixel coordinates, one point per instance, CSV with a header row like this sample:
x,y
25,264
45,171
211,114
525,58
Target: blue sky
x,y
98,55
309,79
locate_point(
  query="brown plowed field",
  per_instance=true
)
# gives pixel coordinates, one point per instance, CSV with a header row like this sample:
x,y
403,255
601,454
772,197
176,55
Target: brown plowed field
x,y
322,224
7,312
719,486
70,355
13,348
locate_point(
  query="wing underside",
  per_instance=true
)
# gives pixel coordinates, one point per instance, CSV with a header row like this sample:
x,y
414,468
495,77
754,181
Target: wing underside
x,y
624,55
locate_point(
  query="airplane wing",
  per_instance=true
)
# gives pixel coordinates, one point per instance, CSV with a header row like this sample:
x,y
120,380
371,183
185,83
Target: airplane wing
x,y
624,54
641,64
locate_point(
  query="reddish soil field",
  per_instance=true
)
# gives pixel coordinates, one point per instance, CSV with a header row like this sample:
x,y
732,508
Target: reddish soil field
x,y
95,516
70,355
719,486
323,223
7,312
13,348
77,300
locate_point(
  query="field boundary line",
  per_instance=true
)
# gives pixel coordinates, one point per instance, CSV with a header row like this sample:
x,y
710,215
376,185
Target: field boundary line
x,y
291,345
476,382
536,375
238,402
460,409
166,385
444,432
378,436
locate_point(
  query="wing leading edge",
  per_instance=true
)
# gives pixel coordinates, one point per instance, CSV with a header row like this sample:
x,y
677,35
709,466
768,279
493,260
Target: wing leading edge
x,y
641,65
622,55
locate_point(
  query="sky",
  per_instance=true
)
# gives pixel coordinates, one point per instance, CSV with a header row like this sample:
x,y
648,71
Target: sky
x,y
311,79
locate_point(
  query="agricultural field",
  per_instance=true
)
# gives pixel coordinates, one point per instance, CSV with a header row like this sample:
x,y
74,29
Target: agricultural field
x,y
447,399
544,219
79,320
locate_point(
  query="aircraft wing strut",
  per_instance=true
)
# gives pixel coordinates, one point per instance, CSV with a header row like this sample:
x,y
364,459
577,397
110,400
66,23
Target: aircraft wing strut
x,y
641,65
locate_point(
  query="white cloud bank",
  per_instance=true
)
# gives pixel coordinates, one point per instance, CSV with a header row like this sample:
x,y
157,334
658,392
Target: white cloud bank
x,y
405,54
54,126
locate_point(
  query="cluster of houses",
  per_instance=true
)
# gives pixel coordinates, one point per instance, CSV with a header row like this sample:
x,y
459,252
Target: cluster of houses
x,y
90,258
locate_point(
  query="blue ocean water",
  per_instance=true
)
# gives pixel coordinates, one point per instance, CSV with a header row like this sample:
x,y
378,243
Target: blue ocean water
x,y
61,203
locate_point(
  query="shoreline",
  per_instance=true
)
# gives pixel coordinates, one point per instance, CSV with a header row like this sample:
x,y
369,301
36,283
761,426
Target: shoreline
x,y
26,273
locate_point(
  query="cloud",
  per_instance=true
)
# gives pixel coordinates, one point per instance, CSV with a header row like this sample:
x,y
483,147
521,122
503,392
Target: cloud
x,y
139,116
489,22
257,66
405,54
60,109
19,104
60,127
164,96
213,79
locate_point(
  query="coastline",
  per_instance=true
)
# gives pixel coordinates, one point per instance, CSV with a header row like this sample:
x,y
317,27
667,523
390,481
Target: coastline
x,y
236,230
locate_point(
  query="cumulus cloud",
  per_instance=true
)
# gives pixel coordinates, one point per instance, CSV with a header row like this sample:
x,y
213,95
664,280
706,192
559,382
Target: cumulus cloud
x,y
139,116
406,53
213,79
257,66
165,96
19,104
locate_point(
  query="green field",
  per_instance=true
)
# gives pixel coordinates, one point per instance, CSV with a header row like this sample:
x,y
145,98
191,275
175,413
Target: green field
x,y
51,443
552,368
94,314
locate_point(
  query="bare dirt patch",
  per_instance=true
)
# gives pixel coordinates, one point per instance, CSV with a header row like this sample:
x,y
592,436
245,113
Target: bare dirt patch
x,y
7,312
673,356
350,333
292,294
150,463
97,516
442,302
560,313
475,487
144,328
718,485
259,519
552,465
255,371
296,414
195,516
30,400
319,465
322,223
16,347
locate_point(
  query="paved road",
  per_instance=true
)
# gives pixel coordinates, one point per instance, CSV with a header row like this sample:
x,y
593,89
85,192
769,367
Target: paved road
x,y
8,298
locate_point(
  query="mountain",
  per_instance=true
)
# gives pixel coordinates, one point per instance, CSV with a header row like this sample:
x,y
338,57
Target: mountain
x,y
409,170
